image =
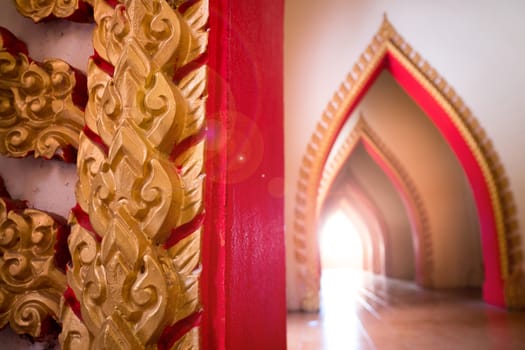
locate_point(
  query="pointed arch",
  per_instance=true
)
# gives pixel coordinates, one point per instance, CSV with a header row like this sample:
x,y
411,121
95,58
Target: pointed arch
x,y
354,200
385,158
455,122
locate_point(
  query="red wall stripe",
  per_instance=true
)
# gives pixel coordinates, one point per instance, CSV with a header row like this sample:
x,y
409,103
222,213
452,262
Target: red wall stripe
x,y
493,291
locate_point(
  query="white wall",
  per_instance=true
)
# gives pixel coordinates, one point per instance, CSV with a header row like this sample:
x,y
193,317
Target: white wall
x,y
477,46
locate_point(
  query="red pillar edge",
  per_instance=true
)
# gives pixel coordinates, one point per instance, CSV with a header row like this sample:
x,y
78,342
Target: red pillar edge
x,y
243,281
212,330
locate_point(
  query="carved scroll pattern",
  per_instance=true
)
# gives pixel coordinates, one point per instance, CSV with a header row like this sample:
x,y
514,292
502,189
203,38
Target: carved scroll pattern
x,y
41,104
31,282
38,10
135,238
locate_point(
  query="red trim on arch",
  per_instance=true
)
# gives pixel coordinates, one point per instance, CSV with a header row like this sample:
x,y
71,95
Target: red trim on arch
x,y
71,299
493,291
410,209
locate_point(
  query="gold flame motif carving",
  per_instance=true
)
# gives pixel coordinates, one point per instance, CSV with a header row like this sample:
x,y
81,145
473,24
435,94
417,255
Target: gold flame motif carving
x,y
41,104
31,285
135,239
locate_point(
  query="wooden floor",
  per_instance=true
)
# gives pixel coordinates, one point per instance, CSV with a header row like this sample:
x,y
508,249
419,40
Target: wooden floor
x,y
365,312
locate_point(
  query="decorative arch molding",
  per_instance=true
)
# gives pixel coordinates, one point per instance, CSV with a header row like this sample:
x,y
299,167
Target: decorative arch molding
x,y
385,158
500,237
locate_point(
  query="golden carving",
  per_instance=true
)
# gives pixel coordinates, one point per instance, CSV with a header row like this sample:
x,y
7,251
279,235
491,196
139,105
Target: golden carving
x,y
387,40
31,285
41,104
135,240
38,10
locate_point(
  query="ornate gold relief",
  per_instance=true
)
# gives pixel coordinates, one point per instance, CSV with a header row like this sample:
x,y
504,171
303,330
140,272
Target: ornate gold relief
x,y
387,40
38,10
41,104
135,240
31,284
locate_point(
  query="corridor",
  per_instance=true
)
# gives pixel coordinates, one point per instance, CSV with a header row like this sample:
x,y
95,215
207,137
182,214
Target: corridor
x,y
362,311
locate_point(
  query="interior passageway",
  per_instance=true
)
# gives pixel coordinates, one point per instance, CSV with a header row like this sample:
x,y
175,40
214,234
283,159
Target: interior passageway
x,y
397,297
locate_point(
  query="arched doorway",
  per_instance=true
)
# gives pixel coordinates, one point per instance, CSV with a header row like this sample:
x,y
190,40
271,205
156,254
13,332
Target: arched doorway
x,y
363,141
494,202
353,200
340,236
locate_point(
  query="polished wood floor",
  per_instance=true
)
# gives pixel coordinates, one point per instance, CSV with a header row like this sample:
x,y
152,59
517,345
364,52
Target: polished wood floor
x,y
365,312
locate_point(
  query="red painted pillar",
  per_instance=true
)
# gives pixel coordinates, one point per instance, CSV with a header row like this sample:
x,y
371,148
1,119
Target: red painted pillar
x,y
243,281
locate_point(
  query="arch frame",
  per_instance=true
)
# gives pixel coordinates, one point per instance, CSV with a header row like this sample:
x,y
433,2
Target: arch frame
x,y
356,203
412,200
494,200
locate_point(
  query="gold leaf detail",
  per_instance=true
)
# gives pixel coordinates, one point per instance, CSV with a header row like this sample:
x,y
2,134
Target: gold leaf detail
x,y
37,10
30,283
37,111
129,282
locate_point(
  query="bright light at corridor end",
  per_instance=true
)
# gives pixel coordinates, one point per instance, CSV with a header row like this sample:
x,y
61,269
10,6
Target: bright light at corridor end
x,y
340,244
